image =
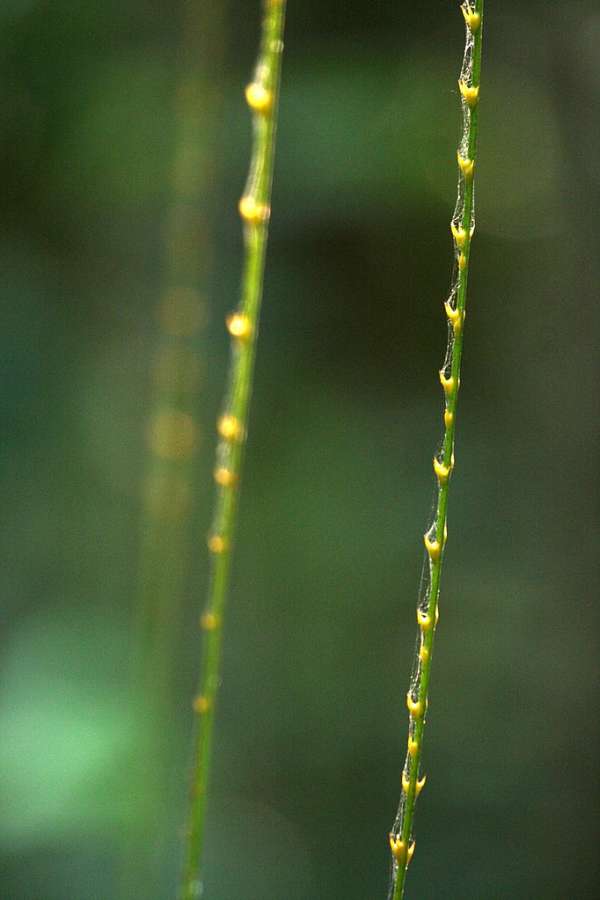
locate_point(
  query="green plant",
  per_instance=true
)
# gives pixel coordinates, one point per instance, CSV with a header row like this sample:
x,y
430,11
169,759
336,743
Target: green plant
x,y
262,95
172,431
462,225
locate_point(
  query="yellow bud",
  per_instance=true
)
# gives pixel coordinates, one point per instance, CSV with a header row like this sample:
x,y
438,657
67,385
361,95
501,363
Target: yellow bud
x,y
424,620
239,326
421,784
209,621
442,472
225,477
448,418
459,234
259,98
405,783
411,852
412,747
466,166
252,212
454,316
398,848
433,547
415,707
462,262
201,704
447,383
230,428
217,544
470,94
472,18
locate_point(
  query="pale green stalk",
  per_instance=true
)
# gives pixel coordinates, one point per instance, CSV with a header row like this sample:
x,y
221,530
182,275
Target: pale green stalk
x,y
262,96
171,433
401,837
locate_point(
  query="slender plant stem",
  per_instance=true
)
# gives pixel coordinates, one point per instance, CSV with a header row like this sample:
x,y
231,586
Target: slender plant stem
x,y
401,837
262,95
172,434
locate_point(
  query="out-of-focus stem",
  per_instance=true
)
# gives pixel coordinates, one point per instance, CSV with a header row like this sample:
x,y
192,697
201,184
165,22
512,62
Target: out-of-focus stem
x,y
172,432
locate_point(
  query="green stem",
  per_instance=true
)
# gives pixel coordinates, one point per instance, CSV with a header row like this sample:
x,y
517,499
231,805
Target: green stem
x,y
401,837
172,435
262,96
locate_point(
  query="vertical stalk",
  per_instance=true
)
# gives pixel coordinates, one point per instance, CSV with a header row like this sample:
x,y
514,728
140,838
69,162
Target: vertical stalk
x,y
172,434
262,95
401,837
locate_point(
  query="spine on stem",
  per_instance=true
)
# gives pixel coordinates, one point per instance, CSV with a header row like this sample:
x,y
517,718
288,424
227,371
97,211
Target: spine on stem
x,y
402,843
262,96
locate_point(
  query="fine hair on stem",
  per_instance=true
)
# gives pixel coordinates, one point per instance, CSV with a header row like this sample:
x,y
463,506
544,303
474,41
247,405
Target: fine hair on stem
x,y
401,838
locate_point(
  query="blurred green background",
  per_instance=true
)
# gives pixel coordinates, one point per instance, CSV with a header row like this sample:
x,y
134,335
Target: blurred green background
x,y
347,412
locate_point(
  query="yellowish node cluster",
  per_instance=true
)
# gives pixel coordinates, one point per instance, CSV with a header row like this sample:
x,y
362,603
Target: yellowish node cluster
x,y
448,418
259,98
224,477
462,262
201,704
470,94
447,383
424,620
230,428
398,848
209,621
415,707
472,18
401,854
252,212
433,547
459,234
217,543
413,746
423,653
239,326
455,316
442,472
420,784
465,165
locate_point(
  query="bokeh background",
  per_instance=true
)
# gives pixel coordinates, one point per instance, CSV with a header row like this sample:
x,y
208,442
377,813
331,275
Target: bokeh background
x,y
124,148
